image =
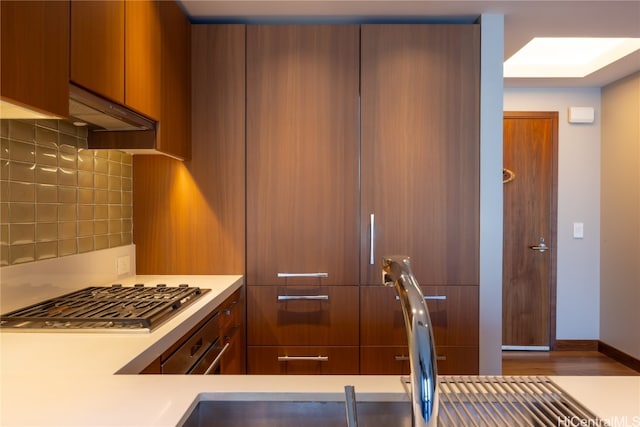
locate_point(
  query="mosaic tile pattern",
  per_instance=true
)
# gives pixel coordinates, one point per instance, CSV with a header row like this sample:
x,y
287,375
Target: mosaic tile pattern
x,y
57,197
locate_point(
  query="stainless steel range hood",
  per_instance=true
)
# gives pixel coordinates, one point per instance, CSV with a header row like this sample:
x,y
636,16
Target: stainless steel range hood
x,y
101,114
112,126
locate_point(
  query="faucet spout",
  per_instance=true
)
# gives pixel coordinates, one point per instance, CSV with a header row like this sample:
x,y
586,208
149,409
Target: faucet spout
x,y
396,271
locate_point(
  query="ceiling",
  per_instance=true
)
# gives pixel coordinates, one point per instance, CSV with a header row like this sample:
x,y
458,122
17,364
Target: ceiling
x,y
523,21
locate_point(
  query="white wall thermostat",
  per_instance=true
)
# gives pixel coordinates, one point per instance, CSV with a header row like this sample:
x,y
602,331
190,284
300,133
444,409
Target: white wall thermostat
x,y
581,114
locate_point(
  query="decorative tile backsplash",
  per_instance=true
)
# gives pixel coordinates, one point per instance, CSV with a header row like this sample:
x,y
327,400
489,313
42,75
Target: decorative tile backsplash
x,y
57,197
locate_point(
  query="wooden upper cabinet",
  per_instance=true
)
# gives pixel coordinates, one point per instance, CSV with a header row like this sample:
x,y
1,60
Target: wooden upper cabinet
x,y
142,57
35,55
302,153
137,53
420,150
97,47
174,134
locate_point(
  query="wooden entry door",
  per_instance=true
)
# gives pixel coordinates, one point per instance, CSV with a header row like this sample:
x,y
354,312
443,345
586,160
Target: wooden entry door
x,y
530,211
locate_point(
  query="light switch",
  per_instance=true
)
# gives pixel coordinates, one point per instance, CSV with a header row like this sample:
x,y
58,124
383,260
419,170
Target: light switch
x,y
578,230
123,265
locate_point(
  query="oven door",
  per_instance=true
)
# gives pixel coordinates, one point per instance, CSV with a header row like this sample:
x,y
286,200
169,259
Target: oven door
x,y
209,364
200,354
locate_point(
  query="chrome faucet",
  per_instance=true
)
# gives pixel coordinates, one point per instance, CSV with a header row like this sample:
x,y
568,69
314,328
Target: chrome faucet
x,y
396,271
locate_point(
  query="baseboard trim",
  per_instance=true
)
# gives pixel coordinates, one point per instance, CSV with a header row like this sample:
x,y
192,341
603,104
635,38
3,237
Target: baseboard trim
x,y
576,345
619,356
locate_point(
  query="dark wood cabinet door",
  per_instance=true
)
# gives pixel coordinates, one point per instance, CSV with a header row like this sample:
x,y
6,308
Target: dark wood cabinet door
x,y
302,153
34,68
420,150
97,47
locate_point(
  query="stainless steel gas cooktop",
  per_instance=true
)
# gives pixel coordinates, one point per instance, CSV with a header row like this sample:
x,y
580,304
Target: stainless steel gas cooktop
x,y
113,307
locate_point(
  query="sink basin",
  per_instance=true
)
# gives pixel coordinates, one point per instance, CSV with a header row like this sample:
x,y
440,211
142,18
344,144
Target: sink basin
x,y
370,414
295,414
464,401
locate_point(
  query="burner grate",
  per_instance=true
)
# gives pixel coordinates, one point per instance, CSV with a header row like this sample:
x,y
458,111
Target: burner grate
x,y
116,306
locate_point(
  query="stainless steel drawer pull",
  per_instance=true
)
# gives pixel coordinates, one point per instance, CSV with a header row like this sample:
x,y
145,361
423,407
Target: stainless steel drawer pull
x,y
402,358
303,297
285,275
430,297
216,361
303,358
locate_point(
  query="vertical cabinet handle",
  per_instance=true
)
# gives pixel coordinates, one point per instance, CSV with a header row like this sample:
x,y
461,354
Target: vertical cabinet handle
x,y
372,232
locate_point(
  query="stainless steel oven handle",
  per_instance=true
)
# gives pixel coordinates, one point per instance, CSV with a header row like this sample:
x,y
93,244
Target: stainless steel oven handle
x,y
216,361
303,297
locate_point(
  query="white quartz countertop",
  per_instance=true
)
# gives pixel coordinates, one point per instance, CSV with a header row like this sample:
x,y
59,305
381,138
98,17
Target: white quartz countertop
x,y
88,379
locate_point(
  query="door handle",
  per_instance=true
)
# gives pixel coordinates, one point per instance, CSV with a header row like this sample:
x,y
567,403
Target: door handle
x,y
540,247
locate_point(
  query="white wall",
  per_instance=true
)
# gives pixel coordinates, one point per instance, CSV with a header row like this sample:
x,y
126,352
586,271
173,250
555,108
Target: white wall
x,y
491,84
578,261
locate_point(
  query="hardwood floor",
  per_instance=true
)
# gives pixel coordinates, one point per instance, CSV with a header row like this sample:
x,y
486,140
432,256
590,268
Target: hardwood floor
x,y
562,363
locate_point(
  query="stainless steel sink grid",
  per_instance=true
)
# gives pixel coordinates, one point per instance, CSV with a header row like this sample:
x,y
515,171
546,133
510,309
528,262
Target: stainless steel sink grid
x,y
479,401
507,401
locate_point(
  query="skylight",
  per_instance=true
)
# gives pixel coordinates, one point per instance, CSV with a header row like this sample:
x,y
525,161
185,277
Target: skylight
x,y
567,57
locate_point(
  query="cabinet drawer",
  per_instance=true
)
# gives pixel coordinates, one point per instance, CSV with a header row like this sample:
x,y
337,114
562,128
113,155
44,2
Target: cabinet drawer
x,y
231,312
453,311
378,360
296,360
233,361
302,315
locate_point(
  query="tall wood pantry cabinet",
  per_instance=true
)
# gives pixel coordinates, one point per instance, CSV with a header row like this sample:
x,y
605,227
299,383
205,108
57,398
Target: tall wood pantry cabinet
x,y
302,199
420,187
362,141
